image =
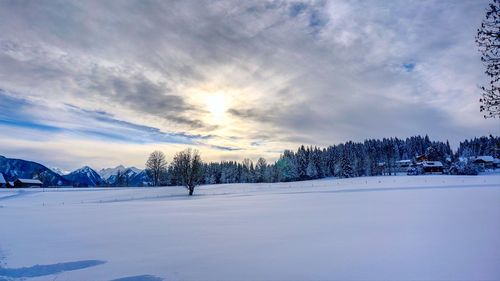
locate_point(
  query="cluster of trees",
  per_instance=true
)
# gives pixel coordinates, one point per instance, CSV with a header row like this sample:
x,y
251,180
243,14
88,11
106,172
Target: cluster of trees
x,y
480,146
185,169
350,159
345,160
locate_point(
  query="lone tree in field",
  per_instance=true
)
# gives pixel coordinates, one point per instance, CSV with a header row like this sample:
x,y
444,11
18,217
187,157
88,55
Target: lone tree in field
x,y
488,40
188,166
156,166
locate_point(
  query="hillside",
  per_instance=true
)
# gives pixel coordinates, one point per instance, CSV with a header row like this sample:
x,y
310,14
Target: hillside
x,y
85,177
18,168
372,228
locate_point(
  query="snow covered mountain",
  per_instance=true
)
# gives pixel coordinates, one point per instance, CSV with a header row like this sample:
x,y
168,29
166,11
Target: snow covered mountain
x,y
108,172
140,179
59,171
18,168
129,177
120,175
85,176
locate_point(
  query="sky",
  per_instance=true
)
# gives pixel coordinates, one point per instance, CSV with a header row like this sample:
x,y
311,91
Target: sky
x,y
103,83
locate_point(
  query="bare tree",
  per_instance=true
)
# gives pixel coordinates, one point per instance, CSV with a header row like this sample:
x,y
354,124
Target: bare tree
x,y
188,166
156,166
488,41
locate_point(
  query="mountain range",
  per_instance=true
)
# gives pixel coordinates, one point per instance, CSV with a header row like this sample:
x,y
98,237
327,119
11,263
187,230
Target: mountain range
x,y
83,177
18,168
110,174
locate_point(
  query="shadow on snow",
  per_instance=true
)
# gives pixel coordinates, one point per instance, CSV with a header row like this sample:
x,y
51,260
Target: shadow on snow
x,y
49,269
139,278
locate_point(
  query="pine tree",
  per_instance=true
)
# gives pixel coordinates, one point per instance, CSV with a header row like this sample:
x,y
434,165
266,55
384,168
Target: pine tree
x,y
346,167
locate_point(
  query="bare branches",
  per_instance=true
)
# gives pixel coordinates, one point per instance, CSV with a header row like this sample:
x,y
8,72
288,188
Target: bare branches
x,y
488,41
188,167
156,166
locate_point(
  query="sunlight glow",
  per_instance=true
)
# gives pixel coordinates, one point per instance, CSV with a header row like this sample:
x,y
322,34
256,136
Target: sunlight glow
x,y
216,104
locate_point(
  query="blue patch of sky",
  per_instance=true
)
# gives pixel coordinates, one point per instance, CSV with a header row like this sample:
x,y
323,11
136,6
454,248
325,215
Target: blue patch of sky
x,y
29,125
317,21
12,114
297,8
409,66
16,113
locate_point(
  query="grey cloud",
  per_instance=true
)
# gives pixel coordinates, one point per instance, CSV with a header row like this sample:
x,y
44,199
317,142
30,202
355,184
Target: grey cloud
x,y
142,95
330,70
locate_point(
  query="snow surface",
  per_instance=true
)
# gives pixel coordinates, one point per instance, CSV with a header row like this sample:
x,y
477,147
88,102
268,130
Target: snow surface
x,y
374,228
107,173
59,171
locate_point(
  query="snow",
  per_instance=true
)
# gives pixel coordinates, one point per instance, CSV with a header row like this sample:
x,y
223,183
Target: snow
x,y
108,172
30,181
485,158
432,164
383,228
59,171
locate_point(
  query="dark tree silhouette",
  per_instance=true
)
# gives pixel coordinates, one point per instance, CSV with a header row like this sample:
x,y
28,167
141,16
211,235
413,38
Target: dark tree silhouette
x,y
187,167
156,166
488,41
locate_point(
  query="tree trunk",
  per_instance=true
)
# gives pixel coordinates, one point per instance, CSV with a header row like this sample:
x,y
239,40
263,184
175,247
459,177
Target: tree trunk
x,y
191,190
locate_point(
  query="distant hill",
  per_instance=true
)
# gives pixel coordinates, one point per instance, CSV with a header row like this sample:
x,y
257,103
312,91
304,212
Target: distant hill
x,y
140,179
109,172
18,168
84,177
129,177
59,171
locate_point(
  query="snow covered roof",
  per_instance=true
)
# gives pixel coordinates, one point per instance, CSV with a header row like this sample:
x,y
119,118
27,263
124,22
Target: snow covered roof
x,y
2,179
432,164
29,181
485,158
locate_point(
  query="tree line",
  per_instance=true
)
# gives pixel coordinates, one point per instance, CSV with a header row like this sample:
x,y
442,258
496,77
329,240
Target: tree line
x,y
350,159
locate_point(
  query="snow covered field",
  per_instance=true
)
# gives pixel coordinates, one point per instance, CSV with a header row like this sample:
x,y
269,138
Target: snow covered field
x,y
376,228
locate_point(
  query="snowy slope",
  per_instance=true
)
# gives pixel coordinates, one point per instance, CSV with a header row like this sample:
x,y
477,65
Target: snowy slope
x,y
59,171
84,176
140,179
127,177
18,168
377,228
108,172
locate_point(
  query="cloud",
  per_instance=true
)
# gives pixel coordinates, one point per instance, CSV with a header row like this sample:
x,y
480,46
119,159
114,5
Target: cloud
x,y
77,121
313,72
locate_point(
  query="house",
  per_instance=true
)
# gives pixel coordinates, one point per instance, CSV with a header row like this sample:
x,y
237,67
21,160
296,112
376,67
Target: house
x,y
403,165
27,183
432,167
380,169
496,163
484,161
3,182
421,158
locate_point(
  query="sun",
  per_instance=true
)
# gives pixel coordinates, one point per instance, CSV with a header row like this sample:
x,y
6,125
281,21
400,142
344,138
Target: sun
x,y
216,105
